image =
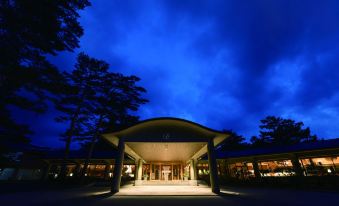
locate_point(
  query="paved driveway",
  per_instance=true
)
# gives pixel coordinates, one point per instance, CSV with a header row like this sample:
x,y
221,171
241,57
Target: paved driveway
x,y
230,196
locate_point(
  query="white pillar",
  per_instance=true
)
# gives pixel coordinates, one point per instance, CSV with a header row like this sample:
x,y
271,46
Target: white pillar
x,y
118,165
212,163
193,173
138,180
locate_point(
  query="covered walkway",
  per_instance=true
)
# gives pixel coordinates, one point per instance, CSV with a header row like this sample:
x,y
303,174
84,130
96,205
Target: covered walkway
x,y
166,149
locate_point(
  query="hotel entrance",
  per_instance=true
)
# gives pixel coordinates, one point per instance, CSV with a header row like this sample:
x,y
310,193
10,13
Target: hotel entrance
x,y
163,171
165,151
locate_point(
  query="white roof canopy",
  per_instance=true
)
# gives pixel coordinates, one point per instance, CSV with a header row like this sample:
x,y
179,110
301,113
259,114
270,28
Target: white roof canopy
x,y
166,139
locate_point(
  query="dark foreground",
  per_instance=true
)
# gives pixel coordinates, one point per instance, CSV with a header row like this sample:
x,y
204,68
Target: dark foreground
x,y
241,196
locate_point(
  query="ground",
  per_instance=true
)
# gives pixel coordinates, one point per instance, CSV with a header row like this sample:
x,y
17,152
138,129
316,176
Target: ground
x,y
171,196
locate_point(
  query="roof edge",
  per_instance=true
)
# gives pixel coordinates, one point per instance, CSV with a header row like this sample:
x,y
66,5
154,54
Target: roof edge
x,y
170,118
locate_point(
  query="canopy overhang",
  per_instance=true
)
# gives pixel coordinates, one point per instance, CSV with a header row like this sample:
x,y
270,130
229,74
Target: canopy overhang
x,y
164,139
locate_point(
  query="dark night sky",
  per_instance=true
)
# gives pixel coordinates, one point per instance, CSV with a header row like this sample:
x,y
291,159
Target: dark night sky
x,y
223,64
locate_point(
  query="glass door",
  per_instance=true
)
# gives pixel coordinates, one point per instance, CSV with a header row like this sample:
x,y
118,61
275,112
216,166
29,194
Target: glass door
x,y
176,172
166,172
157,172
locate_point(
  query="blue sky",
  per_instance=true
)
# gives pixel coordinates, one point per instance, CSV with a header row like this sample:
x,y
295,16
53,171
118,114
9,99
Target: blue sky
x,y
223,64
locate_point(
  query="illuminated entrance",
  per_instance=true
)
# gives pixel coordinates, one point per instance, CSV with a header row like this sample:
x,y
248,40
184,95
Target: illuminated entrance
x,y
166,151
164,171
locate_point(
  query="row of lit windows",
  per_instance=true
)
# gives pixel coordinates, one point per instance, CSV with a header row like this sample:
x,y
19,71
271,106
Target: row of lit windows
x,y
311,167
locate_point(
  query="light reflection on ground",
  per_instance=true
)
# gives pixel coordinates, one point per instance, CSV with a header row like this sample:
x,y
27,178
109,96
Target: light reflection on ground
x,y
166,190
155,190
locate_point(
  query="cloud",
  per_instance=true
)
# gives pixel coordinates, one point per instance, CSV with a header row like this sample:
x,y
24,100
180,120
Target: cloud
x,y
224,64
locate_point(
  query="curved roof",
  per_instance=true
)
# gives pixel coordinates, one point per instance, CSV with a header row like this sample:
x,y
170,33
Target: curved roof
x,y
175,119
166,129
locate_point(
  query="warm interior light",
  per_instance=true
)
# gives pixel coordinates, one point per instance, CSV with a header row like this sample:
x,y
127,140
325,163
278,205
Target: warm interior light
x,y
129,169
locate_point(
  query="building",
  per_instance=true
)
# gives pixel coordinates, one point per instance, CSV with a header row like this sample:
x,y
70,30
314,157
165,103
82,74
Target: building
x,y
165,146
177,151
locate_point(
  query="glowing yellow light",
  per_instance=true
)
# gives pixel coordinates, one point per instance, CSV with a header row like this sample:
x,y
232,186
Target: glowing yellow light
x,y
129,169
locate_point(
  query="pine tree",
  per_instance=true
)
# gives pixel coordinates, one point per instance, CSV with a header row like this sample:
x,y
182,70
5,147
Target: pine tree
x,y
279,131
116,96
78,100
29,31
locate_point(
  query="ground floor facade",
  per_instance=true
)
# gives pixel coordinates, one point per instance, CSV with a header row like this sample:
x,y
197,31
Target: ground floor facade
x,y
172,171
173,151
315,165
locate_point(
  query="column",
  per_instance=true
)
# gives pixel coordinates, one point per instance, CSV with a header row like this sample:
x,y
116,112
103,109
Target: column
x,y
46,171
227,168
222,167
138,180
193,172
118,165
172,171
296,165
77,171
107,170
150,171
212,162
256,169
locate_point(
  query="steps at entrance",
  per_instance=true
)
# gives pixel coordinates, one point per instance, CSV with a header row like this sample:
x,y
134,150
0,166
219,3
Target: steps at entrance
x,y
158,182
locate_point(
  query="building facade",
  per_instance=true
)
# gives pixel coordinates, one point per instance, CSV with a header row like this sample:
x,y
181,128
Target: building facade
x,y
176,151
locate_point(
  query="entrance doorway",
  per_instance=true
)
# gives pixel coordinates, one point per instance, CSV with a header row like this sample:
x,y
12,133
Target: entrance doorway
x,y
163,171
165,139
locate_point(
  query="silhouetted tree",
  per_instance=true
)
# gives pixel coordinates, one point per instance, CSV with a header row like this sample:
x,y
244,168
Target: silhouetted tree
x,y
116,96
94,98
118,123
279,131
29,31
257,142
11,135
233,142
78,100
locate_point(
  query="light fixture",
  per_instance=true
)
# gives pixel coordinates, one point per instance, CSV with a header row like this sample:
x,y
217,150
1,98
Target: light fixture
x,y
71,174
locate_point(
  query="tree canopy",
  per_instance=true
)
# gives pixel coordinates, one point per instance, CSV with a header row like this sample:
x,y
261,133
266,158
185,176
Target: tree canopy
x,y
29,31
280,131
95,97
233,142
